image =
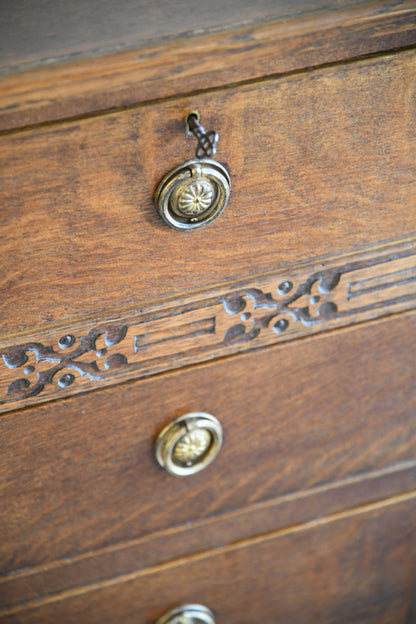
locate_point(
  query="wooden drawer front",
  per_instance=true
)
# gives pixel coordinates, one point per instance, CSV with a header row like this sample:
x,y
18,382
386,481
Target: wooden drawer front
x,y
321,162
354,567
79,474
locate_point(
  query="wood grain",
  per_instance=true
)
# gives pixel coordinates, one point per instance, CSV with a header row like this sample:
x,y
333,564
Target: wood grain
x,y
321,163
160,547
321,295
79,474
352,567
48,29
308,513
78,86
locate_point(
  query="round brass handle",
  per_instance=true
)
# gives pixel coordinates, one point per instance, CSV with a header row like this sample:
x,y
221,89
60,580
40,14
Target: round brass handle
x,y
188,614
193,194
189,443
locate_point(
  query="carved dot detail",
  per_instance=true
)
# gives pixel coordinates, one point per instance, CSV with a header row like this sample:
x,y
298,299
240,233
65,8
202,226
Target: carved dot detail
x,y
17,387
284,287
280,326
15,358
66,380
29,369
245,316
66,341
192,446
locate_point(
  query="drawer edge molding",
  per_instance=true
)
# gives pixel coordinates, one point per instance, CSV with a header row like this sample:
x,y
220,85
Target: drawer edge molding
x,y
278,306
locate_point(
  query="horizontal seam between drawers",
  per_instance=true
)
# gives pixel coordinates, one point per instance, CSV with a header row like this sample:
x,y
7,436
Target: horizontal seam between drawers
x,y
245,543
259,506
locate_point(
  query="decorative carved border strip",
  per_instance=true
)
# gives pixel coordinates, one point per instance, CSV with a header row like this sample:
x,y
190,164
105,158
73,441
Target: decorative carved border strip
x,y
274,307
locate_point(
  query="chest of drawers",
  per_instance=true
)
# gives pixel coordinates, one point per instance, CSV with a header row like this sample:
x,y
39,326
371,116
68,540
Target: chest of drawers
x,y
290,319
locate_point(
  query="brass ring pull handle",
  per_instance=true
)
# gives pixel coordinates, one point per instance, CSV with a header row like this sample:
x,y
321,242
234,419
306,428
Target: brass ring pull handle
x,y
189,443
194,193
188,614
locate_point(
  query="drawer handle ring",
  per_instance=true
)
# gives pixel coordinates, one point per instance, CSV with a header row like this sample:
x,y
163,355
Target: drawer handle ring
x,y
189,443
194,193
188,614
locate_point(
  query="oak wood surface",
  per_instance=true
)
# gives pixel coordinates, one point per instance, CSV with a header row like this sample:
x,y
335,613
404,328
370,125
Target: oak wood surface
x,y
79,474
32,32
92,567
61,89
321,162
357,566
293,522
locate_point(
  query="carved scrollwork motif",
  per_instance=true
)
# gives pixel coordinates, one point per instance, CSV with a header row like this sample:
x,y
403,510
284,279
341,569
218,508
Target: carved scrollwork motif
x,y
235,303
16,357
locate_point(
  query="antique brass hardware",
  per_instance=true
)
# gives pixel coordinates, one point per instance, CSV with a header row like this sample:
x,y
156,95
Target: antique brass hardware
x,y
188,614
207,141
189,443
194,193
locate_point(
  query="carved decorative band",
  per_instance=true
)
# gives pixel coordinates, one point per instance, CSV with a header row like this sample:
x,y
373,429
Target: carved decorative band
x,y
278,306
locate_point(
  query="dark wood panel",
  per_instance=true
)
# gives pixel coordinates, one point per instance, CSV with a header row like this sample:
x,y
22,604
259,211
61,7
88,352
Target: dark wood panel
x,y
78,86
79,474
189,539
320,163
356,567
31,32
